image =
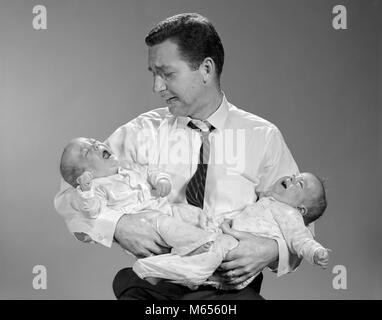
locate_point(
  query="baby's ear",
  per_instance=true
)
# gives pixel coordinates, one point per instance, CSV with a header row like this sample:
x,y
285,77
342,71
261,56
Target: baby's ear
x,y
303,210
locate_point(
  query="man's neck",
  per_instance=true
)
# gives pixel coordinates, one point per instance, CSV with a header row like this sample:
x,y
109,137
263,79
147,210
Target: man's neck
x,y
213,100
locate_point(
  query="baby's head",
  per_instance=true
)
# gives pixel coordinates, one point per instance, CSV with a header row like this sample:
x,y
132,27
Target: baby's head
x,y
305,192
83,154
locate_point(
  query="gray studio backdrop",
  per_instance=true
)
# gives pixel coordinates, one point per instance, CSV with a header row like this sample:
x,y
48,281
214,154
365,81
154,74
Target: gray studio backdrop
x,y
86,74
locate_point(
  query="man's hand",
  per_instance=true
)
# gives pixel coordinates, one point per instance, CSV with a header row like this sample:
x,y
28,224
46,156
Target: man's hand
x,y
138,234
251,255
163,187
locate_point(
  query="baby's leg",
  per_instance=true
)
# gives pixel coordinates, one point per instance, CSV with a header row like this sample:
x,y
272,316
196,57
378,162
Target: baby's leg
x,y
184,238
190,270
189,214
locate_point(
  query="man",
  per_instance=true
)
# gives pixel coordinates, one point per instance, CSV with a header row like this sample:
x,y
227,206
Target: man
x,y
194,140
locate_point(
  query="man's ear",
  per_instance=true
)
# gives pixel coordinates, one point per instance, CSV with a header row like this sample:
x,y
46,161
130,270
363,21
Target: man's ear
x,y
207,69
303,210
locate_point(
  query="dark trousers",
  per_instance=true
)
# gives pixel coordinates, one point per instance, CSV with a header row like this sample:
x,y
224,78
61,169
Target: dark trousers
x,y
128,286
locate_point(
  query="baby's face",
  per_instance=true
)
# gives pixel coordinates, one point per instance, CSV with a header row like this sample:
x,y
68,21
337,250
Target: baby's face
x,y
93,156
298,190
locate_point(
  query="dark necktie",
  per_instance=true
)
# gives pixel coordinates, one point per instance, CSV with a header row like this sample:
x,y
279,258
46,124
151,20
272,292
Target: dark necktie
x,y
195,187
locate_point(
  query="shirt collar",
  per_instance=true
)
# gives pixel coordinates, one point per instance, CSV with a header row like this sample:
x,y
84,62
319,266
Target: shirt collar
x,y
217,119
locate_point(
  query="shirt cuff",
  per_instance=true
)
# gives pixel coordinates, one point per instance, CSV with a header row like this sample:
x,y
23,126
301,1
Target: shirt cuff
x,y
104,228
283,265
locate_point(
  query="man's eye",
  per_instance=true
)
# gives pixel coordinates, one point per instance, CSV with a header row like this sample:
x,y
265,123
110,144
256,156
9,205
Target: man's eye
x,y
301,184
168,74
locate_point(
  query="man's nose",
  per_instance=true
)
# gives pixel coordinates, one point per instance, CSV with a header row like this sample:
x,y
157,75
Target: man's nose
x,y
159,84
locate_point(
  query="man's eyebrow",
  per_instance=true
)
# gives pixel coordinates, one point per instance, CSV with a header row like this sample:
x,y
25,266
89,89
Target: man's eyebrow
x,y
159,68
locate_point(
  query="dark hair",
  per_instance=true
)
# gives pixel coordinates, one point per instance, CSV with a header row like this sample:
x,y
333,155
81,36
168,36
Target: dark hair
x,y
318,206
69,171
195,36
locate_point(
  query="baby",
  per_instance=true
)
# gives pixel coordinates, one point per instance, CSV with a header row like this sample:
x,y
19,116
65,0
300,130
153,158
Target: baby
x,y
85,159
282,212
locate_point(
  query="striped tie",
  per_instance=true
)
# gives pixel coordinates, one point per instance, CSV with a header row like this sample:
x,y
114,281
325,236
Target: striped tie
x,y
195,187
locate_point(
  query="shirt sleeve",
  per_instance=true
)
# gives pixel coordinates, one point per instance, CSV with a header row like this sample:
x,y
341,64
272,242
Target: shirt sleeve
x,y
287,262
100,230
135,143
277,162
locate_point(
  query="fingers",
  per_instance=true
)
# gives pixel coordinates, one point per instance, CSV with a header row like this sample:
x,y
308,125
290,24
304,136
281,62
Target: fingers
x,y
237,276
163,192
323,265
238,280
227,267
143,254
232,260
234,233
234,273
157,249
153,250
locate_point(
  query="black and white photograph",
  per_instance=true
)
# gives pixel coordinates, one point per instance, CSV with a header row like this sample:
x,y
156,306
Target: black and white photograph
x,y
204,150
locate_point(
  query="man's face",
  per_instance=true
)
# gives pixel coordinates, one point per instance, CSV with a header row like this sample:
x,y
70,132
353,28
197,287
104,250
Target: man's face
x,y
94,156
179,86
298,190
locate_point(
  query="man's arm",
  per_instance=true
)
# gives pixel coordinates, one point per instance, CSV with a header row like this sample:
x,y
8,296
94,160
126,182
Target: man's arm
x,y
253,252
138,234
135,233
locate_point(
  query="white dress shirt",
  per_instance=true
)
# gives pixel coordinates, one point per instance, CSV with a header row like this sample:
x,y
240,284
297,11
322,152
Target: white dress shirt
x,y
247,154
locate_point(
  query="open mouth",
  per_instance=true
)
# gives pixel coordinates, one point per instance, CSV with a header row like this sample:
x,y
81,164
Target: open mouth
x,y
284,184
106,154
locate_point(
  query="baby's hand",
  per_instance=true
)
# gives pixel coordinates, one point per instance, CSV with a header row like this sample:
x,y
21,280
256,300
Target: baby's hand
x,y
163,187
321,257
85,181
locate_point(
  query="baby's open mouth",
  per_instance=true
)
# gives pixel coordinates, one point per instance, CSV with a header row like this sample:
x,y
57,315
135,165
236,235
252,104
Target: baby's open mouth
x,y
106,154
284,184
